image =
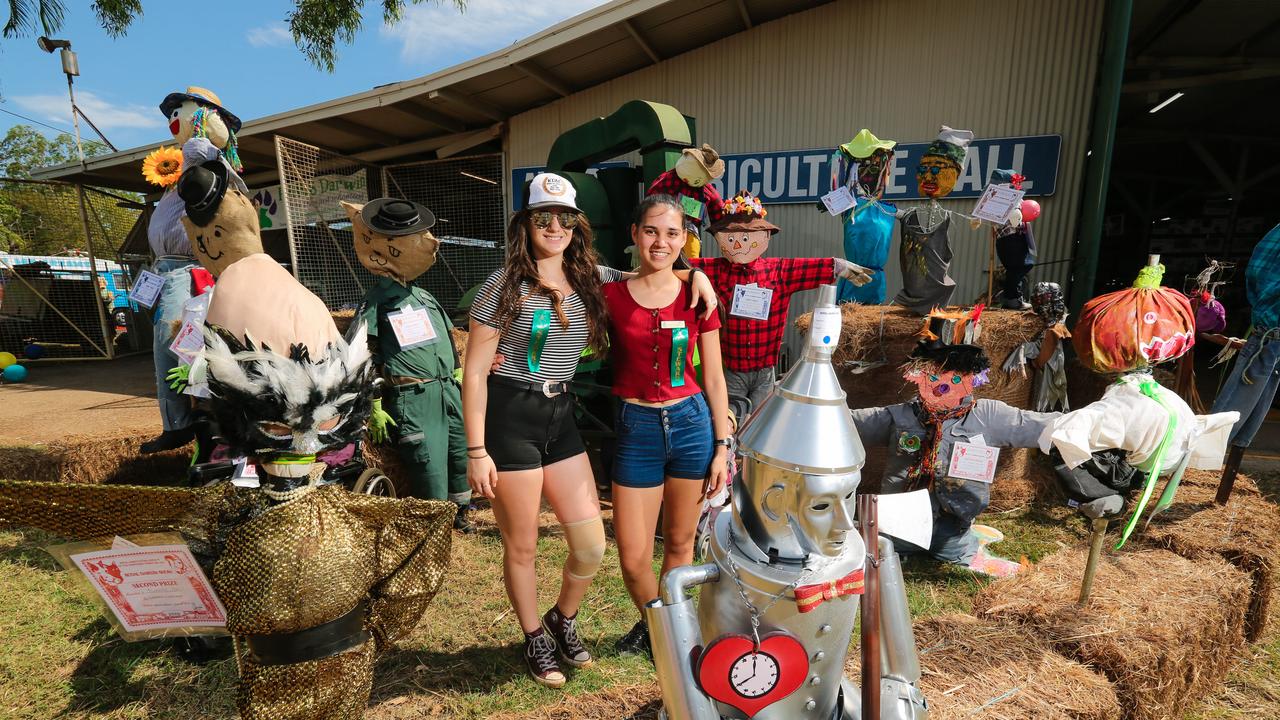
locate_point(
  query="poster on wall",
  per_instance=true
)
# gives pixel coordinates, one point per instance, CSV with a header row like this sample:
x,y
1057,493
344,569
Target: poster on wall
x,y
804,176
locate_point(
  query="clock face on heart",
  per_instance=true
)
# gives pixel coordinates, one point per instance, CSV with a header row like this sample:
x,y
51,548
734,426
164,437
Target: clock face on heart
x,y
733,671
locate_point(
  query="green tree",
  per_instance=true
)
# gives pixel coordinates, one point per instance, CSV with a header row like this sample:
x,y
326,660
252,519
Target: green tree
x,y
23,149
317,25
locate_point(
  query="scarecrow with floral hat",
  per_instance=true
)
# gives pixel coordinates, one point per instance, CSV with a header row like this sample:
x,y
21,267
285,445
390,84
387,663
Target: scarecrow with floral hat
x,y
757,291
862,165
690,182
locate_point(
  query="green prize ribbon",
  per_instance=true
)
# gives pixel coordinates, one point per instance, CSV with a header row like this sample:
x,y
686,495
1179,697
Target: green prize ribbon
x,y
679,350
692,207
538,331
1154,464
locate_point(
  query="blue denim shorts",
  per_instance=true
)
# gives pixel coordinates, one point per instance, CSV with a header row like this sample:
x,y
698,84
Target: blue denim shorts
x,y
655,443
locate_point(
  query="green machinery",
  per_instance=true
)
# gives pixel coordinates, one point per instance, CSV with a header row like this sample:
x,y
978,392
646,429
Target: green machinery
x,y
608,198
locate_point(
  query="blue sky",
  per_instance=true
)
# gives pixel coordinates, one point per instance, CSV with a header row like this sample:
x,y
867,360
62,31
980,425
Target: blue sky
x,y
245,54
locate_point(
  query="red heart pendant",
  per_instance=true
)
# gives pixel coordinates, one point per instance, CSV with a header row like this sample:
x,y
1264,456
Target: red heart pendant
x,y
730,672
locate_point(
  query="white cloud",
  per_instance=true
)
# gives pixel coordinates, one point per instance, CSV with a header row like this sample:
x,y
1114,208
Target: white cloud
x,y
273,35
432,30
105,114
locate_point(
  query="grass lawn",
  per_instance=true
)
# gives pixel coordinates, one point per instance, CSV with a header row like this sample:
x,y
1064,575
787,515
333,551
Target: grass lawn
x,y
60,659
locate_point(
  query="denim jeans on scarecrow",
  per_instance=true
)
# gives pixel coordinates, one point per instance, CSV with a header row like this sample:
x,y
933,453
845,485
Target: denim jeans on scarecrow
x,y
1252,384
175,409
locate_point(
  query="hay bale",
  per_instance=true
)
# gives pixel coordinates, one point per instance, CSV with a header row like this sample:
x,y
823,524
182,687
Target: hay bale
x,y
982,668
386,459
888,333
1161,627
1245,532
1244,484
342,318
96,459
1024,476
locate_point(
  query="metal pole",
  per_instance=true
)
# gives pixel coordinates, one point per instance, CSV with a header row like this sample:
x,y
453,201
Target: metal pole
x,y
75,118
110,347
868,520
1102,140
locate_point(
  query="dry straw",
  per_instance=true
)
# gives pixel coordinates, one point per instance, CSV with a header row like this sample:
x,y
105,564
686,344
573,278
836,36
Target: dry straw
x,y
109,458
1161,627
975,668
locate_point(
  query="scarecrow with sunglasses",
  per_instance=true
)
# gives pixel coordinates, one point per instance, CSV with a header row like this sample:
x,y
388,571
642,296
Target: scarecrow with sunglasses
x,y
946,441
862,165
690,182
408,334
925,252
757,290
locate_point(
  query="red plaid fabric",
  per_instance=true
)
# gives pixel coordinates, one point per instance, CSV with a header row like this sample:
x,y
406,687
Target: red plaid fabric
x,y
668,183
753,344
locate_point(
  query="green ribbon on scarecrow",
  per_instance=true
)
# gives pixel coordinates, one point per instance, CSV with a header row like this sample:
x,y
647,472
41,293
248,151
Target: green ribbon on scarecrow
x,y
1154,464
539,328
679,351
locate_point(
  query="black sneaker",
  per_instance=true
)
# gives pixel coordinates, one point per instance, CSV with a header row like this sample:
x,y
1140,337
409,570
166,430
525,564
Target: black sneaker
x,y
636,641
168,440
564,630
460,521
540,656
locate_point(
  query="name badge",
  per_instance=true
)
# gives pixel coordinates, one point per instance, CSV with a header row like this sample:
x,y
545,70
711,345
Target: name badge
x,y
973,462
412,327
672,324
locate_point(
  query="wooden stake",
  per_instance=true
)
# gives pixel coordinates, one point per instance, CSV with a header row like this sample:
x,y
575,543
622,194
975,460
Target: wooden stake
x,y
1095,552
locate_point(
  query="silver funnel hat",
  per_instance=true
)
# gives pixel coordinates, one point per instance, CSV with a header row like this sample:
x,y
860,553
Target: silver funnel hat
x,y
802,457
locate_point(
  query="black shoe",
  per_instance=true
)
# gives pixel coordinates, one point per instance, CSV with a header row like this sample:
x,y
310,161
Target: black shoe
x,y
202,650
636,641
1015,304
540,657
460,521
168,440
565,632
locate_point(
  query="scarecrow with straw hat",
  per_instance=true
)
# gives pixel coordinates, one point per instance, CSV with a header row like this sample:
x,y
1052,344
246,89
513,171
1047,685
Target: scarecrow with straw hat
x,y
757,290
690,182
206,130
408,333
862,165
945,440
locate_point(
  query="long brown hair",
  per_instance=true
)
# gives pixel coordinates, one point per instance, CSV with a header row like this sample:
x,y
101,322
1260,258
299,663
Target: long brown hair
x,y
580,263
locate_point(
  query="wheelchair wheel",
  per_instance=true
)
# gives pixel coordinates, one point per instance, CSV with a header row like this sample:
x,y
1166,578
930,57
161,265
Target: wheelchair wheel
x,y
373,482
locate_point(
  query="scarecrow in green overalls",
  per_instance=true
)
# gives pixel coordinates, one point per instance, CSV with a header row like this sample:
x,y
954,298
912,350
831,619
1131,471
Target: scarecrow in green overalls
x,y
408,334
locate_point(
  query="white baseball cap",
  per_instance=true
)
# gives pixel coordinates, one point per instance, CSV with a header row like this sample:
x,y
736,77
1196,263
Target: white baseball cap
x,y
551,190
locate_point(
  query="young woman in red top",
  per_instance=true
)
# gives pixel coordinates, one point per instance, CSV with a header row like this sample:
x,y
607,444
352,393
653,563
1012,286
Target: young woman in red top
x,y
671,448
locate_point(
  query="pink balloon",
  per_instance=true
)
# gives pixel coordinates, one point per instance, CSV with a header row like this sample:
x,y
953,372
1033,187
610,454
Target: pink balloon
x,y
1030,210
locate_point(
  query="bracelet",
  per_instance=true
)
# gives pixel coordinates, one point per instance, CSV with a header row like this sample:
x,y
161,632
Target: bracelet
x,y
723,442
475,447
478,457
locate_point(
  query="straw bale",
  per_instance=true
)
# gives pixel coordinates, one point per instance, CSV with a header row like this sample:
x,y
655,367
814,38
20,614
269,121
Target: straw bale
x,y
95,459
1161,627
984,668
342,318
386,459
1244,484
1245,532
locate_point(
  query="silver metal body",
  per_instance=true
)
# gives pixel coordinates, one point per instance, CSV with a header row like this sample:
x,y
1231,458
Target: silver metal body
x,y
790,524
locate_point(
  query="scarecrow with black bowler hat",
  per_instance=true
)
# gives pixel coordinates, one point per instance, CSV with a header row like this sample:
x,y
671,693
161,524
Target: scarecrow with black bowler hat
x,y
408,335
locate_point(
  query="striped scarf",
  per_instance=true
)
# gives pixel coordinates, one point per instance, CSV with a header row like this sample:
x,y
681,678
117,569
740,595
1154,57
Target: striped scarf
x,y
922,473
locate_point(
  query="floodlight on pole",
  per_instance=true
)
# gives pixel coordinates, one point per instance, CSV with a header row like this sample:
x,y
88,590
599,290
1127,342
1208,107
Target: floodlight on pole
x,y
71,68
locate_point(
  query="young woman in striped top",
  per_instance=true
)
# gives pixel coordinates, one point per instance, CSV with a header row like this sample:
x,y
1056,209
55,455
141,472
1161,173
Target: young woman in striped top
x,y
538,313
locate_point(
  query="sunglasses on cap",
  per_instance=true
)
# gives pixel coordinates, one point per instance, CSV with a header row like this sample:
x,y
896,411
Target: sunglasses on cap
x,y
928,169
542,219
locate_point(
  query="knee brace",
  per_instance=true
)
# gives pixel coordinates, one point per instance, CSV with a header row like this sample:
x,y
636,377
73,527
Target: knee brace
x,y
586,547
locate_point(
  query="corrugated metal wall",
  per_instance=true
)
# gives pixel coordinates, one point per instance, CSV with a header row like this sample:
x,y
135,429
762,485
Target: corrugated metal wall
x,y
899,67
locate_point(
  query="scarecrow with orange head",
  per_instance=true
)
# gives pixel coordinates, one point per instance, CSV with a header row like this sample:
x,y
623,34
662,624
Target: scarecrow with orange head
x,y
925,252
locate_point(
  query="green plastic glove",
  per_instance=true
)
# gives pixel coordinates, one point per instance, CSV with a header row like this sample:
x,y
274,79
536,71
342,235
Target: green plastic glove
x,y
178,378
378,421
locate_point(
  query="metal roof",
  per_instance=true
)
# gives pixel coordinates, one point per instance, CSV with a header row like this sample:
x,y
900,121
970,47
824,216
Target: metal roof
x,y
464,106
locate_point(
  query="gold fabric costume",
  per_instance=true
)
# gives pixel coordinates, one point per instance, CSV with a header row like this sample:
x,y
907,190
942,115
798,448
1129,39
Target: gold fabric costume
x,y
281,569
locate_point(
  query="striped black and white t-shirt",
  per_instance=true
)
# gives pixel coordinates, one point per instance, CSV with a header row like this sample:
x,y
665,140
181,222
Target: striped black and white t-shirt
x,y
564,346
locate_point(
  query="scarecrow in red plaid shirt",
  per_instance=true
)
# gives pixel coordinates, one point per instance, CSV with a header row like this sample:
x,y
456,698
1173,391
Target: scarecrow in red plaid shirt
x,y
690,182
757,292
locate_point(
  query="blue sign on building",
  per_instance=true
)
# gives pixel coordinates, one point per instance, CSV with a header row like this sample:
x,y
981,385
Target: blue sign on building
x,y
804,176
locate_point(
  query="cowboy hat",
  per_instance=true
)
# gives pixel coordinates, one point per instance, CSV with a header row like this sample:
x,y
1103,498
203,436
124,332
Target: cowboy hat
x,y
203,97
708,158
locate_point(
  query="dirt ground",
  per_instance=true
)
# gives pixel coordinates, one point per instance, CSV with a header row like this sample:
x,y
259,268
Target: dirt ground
x,y
77,398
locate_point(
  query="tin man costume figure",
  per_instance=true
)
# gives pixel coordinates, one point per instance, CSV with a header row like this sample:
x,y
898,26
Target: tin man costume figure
x,y
768,635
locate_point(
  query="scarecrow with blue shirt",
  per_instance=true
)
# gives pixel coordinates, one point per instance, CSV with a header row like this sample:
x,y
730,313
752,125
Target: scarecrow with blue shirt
x,y
862,165
408,334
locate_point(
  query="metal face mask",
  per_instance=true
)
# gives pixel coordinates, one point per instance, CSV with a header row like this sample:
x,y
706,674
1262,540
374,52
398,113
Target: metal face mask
x,y
817,511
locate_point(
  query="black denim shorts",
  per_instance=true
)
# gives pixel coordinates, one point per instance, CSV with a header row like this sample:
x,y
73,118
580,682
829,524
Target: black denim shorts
x,y
524,429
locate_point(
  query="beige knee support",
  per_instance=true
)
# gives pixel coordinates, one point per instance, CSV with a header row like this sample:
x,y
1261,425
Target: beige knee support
x,y
586,547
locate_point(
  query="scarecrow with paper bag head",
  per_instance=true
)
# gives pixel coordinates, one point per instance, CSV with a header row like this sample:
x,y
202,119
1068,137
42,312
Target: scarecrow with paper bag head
x,y
861,166
690,182
925,251
315,579
196,115
408,333
948,441
757,291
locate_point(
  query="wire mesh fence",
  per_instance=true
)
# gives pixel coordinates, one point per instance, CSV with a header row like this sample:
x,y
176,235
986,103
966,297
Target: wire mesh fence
x,y
54,302
465,195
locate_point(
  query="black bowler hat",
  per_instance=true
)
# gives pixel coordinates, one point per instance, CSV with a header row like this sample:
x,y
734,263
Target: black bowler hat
x,y
202,189
951,357
393,216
